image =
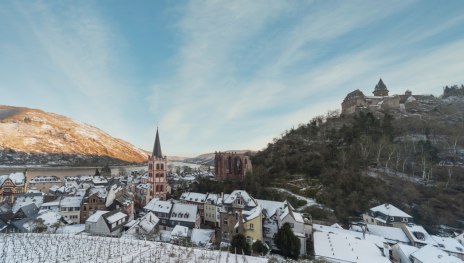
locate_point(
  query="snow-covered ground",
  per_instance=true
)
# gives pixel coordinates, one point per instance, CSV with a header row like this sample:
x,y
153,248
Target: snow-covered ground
x,y
309,201
78,248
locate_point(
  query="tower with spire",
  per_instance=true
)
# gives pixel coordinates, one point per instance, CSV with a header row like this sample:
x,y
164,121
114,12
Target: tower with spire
x,y
157,175
380,89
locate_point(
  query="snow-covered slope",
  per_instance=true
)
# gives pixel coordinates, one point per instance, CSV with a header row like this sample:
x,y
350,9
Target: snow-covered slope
x,y
51,248
28,136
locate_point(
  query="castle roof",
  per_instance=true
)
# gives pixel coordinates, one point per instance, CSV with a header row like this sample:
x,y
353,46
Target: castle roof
x,y
157,147
354,94
380,86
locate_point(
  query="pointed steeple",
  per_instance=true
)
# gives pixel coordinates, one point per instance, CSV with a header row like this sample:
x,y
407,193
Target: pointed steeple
x,y
157,147
380,89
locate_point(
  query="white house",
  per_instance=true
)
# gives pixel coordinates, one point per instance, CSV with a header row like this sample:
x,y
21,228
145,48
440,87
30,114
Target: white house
x,y
106,223
202,237
450,245
70,207
431,254
146,225
386,215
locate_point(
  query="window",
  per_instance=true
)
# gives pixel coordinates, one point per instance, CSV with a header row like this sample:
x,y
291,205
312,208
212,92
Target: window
x,y
225,222
251,226
157,166
162,166
404,219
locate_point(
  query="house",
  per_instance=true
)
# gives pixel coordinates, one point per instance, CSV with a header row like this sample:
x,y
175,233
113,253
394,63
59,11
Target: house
x,y
184,215
450,245
12,185
43,183
26,199
202,237
231,214
418,235
51,206
162,209
70,207
336,244
253,224
120,198
431,254
47,220
401,252
278,213
180,233
211,214
392,235
106,223
197,199
386,215
146,226
93,201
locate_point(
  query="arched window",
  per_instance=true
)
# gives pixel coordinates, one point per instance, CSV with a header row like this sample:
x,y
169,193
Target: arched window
x,y
161,188
229,164
157,166
162,166
157,188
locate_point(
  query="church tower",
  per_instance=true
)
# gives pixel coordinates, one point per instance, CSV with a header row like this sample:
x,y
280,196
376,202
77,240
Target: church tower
x,y
157,175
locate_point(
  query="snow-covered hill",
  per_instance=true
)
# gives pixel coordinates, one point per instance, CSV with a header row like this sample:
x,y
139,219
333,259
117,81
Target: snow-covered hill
x,y
48,248
31,136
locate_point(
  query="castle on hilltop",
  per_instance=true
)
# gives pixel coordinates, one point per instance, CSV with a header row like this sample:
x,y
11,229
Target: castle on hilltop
x,y
356,100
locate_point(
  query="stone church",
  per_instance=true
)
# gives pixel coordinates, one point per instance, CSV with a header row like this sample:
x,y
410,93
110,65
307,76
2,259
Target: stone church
x,y
231,166
356,100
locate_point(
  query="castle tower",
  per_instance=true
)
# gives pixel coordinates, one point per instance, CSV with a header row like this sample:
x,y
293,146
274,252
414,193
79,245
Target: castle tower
x,y
157,175
380,89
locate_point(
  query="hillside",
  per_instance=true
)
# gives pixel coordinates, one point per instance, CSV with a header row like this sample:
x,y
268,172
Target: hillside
x,y
79,248
34,137
413,158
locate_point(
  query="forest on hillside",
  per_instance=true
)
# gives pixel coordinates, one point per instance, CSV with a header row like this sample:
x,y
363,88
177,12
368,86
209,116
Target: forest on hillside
x,y
412,159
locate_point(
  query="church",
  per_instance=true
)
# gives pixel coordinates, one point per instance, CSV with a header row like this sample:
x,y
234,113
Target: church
x,y
157,172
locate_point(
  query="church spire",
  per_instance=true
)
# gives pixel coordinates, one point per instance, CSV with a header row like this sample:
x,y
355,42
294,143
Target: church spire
x,y
157,147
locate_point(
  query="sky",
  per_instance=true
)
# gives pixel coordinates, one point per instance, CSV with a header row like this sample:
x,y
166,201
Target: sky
x,y
219,75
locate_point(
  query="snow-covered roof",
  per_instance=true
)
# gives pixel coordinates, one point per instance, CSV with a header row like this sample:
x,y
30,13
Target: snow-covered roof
x,y
100,191
419,234
270,207
449,244
17,178
184,212
180,231
390,210
212,198
45,179
431,254
143,186
71,229
298,217
27,199
51,204
391,234
193,197
95,216
71,201
201,237
116,217
99,180
347,248
159,206
252,214
407,249
379,241
249,201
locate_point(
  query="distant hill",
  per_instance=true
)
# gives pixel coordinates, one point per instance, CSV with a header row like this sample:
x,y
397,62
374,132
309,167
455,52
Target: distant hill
x,y
34,137
208,158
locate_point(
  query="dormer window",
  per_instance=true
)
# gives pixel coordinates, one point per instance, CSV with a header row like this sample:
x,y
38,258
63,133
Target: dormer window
x,y
186,215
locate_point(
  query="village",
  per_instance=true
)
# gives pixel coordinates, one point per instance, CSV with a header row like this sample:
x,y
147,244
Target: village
x,y
106,205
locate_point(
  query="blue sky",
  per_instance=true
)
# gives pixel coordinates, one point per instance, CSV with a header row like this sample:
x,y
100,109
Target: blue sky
x,y
219,75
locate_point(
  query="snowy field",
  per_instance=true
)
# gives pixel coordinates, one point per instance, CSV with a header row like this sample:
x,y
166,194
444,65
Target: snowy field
x,y
71,248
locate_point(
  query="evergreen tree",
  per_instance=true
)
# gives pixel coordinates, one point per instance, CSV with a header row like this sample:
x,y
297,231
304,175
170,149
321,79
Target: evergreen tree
x,y
287,242
239,244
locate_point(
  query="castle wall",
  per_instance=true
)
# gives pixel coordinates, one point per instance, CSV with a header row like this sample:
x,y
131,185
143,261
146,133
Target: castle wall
x,y
231,166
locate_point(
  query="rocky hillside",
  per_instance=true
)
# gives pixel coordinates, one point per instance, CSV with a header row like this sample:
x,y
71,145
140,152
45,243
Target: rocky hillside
x,y
34,137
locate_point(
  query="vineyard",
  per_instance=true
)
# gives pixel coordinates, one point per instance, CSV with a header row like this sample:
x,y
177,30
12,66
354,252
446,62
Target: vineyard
x,y
49,248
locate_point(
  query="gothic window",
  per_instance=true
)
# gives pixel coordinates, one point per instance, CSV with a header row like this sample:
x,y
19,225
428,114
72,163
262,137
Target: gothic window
x,y
162,166
229,164
161,188
157,166
238,165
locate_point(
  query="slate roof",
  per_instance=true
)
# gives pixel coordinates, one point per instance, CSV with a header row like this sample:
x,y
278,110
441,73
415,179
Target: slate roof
x,y
157,147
